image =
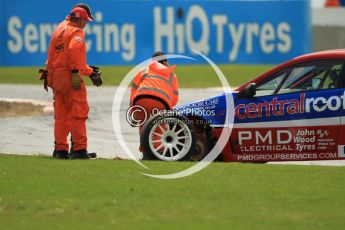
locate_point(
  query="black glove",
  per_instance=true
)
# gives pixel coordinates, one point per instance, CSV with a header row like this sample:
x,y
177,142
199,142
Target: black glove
x,y
96,76
95,68
44,77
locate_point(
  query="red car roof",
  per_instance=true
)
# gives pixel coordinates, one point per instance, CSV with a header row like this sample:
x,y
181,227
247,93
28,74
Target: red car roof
x,y
337,53
327,54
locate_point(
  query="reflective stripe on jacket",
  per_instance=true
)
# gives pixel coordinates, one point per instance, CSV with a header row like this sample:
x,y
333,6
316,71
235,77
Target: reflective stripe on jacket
x,y
156,80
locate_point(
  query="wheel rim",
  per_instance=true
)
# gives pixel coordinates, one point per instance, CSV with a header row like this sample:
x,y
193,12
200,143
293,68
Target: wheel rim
x,y
170,139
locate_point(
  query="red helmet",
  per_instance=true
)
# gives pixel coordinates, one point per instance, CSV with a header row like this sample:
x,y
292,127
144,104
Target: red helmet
x,y
85,7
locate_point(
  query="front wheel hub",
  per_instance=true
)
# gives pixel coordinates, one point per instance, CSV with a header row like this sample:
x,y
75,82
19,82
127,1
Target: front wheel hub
x,y
170,139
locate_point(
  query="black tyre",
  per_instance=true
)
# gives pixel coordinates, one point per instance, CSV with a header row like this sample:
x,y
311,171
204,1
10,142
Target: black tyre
x,y
168,138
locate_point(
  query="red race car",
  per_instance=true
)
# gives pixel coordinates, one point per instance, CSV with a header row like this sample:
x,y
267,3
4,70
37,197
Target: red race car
x,y
293,112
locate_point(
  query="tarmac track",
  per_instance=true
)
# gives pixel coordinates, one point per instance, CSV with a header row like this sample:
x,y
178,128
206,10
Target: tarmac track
x,y
30,135
34,134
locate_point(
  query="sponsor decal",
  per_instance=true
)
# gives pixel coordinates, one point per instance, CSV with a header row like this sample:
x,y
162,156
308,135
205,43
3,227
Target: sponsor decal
x,y
277,107
287,157
292,140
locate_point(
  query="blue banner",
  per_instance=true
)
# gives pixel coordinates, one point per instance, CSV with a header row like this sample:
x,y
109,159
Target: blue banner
x,y
128,32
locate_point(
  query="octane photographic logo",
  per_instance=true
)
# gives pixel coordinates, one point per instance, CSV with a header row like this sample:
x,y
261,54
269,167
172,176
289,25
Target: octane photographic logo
x,y
134,121
131,115
117,119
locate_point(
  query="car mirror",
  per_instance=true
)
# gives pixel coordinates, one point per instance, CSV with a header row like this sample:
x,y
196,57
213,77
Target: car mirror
x,y
248,92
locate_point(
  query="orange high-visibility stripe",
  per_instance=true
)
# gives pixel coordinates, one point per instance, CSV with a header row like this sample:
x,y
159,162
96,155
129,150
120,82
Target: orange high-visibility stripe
x,y
169,82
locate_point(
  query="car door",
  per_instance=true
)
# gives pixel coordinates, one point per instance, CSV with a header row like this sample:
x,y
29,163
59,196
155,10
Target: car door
x,y
295,114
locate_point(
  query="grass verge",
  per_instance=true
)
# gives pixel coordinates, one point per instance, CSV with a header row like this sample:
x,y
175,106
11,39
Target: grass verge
x,y
190,76
39,192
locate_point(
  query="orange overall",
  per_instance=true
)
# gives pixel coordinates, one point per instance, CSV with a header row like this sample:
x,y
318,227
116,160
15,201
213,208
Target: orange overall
x,y
155,87
67,51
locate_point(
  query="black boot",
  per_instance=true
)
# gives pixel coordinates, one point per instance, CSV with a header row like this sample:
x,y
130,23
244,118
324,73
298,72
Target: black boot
x,y
92,155
74,155
79,154
60,154
82,154
71,152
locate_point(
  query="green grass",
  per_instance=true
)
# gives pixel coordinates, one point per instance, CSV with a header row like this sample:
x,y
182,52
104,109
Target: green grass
x,y
42,193
190,76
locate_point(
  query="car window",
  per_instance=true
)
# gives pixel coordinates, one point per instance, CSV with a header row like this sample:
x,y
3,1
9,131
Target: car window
x,y
333,78
307,76
298,73
300,79
270,87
